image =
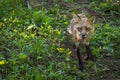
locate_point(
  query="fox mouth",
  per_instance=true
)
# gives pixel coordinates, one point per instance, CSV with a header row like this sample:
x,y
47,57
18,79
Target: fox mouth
x,y
83,36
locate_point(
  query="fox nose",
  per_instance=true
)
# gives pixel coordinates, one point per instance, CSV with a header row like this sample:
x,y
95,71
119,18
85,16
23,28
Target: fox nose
x,y
83,36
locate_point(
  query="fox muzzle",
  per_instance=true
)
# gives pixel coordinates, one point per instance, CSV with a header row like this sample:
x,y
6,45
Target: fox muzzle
x,y
83,35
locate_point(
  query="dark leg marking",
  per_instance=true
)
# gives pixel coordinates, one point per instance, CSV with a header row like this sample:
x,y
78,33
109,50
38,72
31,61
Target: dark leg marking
x,y
74,47
79,59
89,53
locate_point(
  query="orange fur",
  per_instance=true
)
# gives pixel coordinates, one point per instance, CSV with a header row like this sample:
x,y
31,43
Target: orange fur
x,y
81,28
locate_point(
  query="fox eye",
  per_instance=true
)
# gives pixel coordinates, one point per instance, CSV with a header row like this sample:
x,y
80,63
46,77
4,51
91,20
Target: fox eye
x,y
79,29
87,28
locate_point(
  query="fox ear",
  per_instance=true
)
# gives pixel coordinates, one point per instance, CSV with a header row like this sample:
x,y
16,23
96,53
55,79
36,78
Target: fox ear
x,y
92,19
76,18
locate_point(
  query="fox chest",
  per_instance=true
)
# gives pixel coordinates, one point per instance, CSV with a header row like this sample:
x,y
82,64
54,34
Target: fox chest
x,y
81,43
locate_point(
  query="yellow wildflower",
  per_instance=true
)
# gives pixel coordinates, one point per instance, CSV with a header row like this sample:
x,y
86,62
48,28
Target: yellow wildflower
x,y
2,62
32,35
1,24
60,50
59,32
69,53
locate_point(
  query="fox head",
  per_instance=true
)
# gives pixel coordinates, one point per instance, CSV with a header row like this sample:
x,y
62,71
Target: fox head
x,y
81,27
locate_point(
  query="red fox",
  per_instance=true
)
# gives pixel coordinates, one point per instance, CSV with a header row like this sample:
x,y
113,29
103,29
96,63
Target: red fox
x,y
81,29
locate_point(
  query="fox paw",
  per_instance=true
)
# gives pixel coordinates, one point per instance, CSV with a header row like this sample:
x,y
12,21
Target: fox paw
x,y
90,58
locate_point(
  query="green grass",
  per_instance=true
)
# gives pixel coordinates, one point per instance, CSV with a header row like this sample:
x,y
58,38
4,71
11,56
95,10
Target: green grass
x,y
32,44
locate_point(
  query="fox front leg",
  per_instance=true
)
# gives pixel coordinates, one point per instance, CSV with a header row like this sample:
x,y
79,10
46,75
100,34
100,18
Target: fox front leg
x,y
79,60
89,53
